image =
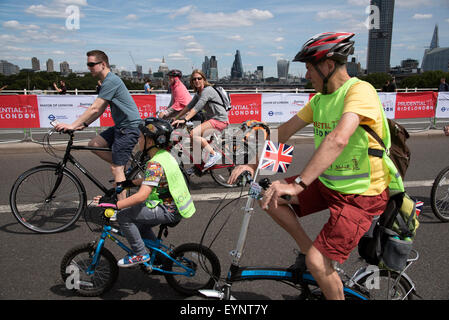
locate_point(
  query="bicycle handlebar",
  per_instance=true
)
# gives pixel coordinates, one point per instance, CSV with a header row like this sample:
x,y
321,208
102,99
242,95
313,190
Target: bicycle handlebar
x,y
265,183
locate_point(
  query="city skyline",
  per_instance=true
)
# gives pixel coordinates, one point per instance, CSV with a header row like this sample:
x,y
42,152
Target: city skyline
x,y
264,31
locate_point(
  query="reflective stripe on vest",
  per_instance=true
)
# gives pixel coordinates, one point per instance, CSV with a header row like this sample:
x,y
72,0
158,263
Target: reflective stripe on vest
x,y
176,185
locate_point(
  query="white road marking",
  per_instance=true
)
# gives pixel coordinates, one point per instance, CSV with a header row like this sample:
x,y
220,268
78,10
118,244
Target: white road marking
x,y
235,194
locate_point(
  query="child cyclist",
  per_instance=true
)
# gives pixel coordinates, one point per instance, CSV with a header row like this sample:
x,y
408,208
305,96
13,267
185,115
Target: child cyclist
x,y
163,196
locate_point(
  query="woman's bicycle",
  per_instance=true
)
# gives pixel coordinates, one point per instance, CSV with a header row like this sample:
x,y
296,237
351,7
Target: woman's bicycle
x,y
439,195
51,197
90,269
233,151
368,282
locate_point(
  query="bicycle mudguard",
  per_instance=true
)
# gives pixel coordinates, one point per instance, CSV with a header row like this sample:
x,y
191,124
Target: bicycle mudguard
x,y
370,269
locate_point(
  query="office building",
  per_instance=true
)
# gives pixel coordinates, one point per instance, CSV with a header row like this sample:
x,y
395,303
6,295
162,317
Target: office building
x,y
379,39
50,65
283,69
237,67
435,58
64,68
209,68
35,64
7,68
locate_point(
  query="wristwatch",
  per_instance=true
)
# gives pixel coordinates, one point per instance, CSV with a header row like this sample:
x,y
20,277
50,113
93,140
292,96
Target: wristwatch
x,y
299,181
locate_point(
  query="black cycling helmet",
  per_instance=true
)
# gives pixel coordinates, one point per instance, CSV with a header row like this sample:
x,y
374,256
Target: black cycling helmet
x,y
328,45
175,73
157,129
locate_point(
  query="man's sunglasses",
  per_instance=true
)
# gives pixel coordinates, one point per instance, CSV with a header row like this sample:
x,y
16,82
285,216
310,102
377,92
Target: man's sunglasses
x,y
91,64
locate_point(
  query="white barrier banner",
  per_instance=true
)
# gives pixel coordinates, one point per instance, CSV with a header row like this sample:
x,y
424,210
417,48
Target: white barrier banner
x,y
280,107
442,109
64,109
388,100
162,102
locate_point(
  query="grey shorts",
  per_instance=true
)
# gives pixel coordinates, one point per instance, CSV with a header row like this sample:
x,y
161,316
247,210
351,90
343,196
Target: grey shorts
x,y
122,142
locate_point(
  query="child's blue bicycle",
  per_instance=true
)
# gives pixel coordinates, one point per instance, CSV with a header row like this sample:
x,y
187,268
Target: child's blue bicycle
x,y
90,269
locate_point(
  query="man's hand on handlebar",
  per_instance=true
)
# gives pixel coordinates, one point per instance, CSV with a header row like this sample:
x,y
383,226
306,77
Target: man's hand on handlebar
x,y
277,192
64,127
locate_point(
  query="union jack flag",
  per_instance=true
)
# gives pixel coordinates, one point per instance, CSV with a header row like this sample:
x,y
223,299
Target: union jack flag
x,y
419,205
276,157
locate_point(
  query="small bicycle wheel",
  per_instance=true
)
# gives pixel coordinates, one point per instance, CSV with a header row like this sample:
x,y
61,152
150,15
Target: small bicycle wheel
x,y
74,270
202,265
439,196
41,205
386,285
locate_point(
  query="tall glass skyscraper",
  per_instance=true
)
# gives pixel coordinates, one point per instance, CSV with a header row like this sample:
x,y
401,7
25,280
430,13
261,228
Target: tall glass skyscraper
x,y
237,67
435,58
379,40
283,69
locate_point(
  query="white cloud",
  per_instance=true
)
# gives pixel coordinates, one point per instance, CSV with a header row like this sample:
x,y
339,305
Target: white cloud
x,y
56,9
131,17
359,2
177,56
421,16
279,39
236,37
333,15
14,24
187,38
182,11
412,3
240,18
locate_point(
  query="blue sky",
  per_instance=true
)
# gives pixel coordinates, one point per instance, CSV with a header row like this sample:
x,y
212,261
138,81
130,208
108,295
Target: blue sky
x,y
185,31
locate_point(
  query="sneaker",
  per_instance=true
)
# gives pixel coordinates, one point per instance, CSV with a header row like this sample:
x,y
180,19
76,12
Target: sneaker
x,y
300,263
132,260
213,159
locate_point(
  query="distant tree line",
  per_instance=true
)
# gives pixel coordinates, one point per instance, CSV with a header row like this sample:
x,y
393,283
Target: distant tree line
x,y
428,79
44,81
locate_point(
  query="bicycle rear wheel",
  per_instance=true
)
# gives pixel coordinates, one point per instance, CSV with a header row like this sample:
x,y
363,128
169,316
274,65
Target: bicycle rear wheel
x,y
439,196
201,260
40,207
386,285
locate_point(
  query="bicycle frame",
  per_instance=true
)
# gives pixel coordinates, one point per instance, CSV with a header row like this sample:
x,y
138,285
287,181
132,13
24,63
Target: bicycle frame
x,y
155,247
238,273
69,158
200,166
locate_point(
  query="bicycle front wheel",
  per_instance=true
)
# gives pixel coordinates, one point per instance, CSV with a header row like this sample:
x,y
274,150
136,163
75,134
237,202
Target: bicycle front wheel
x,y
439,196
45,204
196,267
79,275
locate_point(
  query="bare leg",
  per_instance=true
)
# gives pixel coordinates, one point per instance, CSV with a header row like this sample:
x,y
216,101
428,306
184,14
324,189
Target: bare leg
x,y
319,266
117,171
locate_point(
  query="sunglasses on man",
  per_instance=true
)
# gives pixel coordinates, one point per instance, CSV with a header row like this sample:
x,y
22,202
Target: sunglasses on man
x,y
91,64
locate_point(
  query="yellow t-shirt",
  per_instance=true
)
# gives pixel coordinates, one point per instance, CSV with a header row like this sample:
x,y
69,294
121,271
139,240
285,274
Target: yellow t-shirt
x,y
363,100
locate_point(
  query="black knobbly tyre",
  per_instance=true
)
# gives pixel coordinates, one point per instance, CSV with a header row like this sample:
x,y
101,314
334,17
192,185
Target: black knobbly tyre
x,y
201,260
36,210
439,196
74,266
